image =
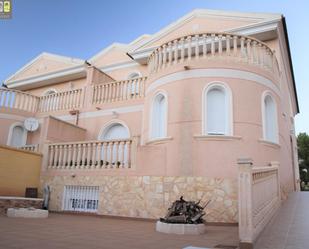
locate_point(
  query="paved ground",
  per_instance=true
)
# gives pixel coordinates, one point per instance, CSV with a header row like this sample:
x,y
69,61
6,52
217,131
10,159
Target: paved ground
x,y
63,231
290,228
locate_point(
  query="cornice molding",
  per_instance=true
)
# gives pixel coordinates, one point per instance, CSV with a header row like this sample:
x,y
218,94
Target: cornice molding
x,y
49,78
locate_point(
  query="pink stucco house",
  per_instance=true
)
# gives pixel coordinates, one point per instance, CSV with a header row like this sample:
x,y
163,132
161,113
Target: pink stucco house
x,y
203,108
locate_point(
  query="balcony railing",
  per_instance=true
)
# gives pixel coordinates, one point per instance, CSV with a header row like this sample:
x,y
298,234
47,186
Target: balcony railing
x,y
213,45
13,99
114,154
119,90
73,99
61,101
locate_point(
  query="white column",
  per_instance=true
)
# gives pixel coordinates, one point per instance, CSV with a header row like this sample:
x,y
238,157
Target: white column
x,y
245,218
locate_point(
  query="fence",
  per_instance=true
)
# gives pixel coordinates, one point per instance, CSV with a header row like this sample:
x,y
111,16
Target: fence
x,y
259,198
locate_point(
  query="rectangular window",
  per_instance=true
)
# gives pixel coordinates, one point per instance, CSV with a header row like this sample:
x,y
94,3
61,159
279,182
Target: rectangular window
x,y
81,198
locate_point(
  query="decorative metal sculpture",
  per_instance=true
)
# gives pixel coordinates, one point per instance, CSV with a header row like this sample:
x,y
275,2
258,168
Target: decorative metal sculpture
x,y
46,196
185,212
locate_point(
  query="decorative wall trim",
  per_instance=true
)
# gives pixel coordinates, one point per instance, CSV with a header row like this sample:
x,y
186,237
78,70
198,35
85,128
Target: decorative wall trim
x,y
214,72
12,117
269,143
216,137
108,112
119,65
158,140
259,18
49,78
55,57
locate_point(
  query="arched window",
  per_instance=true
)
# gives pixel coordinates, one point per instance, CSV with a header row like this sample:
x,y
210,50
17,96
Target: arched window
x,y
115,131
134,75
270,125
159,117
50,103
17,135
49,92
217,110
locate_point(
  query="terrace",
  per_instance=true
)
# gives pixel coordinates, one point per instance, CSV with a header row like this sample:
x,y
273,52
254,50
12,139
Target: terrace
x,y
115,91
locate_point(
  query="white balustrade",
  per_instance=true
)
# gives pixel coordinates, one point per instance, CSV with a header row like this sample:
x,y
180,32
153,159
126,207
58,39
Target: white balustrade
x,y
112,154
258,198
61,101
213,45
119,90
13,99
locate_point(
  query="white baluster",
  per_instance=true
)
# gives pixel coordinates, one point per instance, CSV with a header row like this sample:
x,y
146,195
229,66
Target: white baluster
x,y
242,47
164,57
175,51
56,162
94,154
170,53
213,37
89,150
228,45
204,45
197,48
220,44
106,154
160,57
235,45
99,155
189,47
182,53
254,52
51,156
69,159
249,52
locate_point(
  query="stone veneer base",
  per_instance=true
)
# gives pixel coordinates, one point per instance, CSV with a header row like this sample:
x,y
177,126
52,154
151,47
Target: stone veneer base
x,y
18,202
151,196
184,229
27,213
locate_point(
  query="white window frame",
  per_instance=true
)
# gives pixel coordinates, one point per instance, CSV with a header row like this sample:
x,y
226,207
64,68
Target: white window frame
x,y
24,137
229,107
263,108
133,73
111,123
151,127
46,92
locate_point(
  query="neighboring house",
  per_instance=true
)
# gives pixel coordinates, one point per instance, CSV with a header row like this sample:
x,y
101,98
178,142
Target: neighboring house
x,y
131,129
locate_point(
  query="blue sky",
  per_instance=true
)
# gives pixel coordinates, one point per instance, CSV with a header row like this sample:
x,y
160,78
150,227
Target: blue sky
x,y
82,28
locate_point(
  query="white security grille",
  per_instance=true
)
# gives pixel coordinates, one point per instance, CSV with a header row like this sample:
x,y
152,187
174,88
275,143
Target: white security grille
x,y
81,198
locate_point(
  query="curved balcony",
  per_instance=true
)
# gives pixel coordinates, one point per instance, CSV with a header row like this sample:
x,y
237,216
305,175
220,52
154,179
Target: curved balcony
x,y
213,46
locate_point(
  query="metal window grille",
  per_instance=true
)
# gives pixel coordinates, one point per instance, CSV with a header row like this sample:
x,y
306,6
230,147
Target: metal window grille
x,y
81,198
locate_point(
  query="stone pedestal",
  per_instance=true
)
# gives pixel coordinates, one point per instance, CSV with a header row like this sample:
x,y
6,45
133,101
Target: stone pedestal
x,y
27,213
188,229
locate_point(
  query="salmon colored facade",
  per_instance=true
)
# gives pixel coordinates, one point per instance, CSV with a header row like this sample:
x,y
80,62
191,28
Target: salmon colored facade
x,y
166,115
